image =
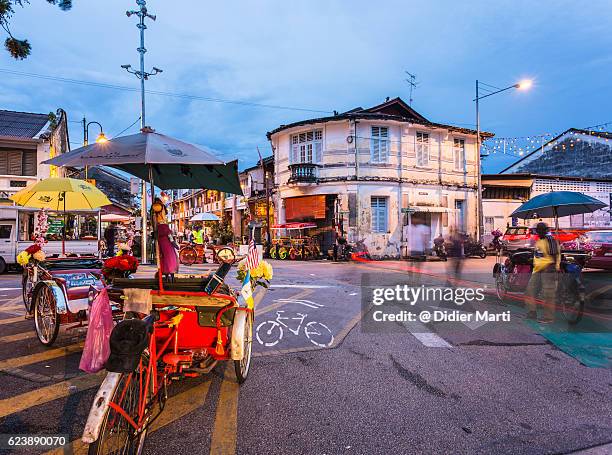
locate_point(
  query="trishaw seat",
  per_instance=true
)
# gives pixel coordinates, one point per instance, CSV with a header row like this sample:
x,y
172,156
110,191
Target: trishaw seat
x,y
191,284
91,263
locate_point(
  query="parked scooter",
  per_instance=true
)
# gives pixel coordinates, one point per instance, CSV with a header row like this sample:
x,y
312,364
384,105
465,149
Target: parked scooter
x,y
440,249
352,251
472,247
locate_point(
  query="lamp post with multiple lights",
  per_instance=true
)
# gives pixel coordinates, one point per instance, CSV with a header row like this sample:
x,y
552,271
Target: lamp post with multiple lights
x,y
523,85
142,75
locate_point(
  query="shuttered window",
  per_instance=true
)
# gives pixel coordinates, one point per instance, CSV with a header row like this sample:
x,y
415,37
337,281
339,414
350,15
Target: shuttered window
x,y
306,147
379,144
459,152
17,162
379,214
422,149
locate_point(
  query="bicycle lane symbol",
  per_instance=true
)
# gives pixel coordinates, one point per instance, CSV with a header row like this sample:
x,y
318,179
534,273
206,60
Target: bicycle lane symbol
x,y
269,333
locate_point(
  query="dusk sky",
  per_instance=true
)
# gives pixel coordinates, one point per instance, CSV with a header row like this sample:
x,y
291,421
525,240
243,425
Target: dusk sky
x,y
320,55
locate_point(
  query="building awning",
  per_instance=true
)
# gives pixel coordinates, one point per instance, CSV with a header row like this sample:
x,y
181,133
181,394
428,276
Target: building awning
x,y
427,209
508,183
294,226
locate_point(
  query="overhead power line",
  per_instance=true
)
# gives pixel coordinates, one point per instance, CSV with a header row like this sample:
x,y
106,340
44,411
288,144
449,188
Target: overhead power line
x,y
159,92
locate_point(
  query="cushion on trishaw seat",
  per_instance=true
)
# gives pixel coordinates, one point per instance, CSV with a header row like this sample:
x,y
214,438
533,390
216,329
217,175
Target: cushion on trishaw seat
x,y
191,284
72,263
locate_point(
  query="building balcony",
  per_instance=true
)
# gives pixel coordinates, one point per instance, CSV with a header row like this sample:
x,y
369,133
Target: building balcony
x,y
304,173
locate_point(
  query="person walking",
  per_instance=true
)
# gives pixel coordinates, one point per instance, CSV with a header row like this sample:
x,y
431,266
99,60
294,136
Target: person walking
x,y
198,235
110,234
544,278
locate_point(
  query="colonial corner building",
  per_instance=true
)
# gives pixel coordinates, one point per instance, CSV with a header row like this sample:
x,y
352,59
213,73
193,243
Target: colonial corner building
x,y
375,174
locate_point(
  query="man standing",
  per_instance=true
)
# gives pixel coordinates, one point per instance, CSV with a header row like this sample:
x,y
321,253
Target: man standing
x,y
544,278
198,235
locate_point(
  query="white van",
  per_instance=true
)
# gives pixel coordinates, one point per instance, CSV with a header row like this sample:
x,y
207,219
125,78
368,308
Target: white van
x,y
17,233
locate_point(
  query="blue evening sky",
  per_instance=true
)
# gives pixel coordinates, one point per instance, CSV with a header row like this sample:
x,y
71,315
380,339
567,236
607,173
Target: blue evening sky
x,y
317,54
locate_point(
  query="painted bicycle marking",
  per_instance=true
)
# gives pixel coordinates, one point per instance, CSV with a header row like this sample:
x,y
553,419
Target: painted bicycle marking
x,y
269,333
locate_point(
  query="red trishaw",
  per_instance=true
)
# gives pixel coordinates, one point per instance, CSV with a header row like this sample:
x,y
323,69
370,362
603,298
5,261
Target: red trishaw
x,y
190,323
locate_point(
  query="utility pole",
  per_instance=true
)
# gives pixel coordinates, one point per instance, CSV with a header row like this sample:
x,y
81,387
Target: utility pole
x,y
413,85
141,74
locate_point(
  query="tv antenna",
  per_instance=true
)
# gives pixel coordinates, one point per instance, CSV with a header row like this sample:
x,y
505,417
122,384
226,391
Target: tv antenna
x,y
413,85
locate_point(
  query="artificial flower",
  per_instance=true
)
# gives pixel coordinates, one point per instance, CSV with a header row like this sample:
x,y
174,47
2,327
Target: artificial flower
x,y
23,258
39,256
33,249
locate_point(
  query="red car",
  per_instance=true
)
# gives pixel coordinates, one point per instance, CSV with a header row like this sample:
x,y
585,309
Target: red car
x,y
525,237
600,242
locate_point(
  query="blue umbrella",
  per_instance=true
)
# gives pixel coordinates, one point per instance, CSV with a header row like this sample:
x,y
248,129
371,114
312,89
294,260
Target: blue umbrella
x,y
556,204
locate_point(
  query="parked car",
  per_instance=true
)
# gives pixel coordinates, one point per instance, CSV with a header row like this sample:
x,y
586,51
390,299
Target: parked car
x,y
517,237
601,257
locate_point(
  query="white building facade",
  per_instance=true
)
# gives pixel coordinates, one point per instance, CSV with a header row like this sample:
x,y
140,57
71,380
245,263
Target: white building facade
x,y
374,174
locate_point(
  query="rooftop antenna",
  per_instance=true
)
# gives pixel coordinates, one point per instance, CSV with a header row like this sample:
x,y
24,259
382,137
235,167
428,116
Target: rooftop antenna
x,y
413,85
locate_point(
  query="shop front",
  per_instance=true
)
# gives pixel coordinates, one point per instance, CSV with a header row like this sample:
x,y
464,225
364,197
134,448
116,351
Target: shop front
x,y
320,211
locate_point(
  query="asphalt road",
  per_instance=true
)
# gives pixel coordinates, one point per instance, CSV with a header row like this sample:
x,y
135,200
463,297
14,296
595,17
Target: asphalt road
x,y
325,379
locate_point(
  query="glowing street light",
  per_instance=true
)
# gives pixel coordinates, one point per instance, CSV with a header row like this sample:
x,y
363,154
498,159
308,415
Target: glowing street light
x,y
101,138
525,84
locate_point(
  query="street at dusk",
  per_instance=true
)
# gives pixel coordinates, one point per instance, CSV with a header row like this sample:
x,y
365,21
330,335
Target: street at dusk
x,y
310,228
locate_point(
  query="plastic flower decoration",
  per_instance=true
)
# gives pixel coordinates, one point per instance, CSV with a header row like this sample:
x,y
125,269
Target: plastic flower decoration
x,y
33,253
23,258
260,275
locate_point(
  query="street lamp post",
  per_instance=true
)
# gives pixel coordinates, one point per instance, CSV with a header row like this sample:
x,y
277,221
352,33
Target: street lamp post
x,y
141,74
101,137
523,85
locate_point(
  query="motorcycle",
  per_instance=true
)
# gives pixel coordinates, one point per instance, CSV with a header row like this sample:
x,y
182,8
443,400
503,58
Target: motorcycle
x,y
440,249
352,251
474,248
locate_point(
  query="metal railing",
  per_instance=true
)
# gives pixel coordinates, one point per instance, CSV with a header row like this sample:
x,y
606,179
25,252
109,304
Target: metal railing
x,y
303,173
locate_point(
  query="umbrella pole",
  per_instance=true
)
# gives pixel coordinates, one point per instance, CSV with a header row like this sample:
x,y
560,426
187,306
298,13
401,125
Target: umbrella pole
x,y
64,230
154,229
556,219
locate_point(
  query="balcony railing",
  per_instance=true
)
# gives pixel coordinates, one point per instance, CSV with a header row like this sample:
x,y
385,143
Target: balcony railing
x,y
303,173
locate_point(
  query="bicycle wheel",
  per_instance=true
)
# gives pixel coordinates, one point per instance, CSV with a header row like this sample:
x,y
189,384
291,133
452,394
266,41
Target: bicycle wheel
x,y
572,300
318,334
117,435
27,285
188,255
242,366
272,252
283,253
46,319
269,333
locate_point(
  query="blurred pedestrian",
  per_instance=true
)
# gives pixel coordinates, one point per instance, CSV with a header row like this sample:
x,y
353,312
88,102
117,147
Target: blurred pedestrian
x,y
544,278
456,252
110,234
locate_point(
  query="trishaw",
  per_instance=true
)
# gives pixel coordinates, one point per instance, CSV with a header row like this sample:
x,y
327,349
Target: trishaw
x,y
194,323
58,291
291,246
190,254
512,275
189,324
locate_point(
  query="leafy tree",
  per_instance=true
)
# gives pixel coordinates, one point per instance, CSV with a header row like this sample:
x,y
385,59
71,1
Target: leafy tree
x,y
20,49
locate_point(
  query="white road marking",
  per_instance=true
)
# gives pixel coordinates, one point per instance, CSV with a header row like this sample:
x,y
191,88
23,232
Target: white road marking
x,y
308,303
426,337
10,289
301,286
431,340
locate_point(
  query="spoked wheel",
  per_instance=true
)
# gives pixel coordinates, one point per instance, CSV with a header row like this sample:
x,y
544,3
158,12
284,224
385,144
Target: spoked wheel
x,y
117,434
27,285
242,366
572,302
272,252
500,287
46,319
283,253
188,255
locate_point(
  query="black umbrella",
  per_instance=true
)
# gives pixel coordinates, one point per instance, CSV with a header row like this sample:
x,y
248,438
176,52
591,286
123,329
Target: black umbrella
x,y
168,162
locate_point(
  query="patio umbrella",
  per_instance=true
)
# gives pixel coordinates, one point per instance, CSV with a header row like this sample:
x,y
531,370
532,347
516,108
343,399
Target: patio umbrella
x,y
207,216
169,162
61,194
557,204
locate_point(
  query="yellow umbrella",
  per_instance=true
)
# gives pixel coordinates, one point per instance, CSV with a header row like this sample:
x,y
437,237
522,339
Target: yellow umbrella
x,y
61,194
